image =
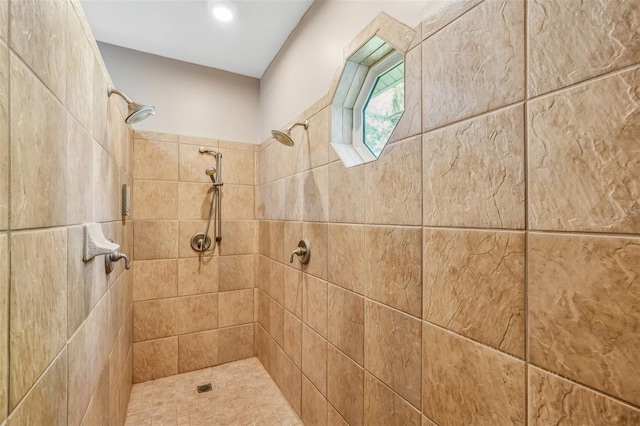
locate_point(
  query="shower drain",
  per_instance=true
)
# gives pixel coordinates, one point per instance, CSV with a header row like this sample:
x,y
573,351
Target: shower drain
x,y
204,388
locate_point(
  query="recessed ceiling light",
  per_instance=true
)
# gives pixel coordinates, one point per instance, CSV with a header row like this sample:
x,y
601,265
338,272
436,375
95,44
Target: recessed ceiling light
x,y
223,11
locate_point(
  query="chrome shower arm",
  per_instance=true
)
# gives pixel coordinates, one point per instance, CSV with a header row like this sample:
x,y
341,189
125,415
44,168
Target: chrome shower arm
x,y
119,93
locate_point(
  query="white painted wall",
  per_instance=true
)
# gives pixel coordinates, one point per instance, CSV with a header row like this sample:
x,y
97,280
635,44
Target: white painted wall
x,y
302,71
189,99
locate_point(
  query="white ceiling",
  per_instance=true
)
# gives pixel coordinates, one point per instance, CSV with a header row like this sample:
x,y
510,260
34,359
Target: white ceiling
x,y
184,30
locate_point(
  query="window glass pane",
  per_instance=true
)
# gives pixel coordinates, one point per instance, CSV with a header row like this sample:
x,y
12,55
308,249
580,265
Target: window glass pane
x,y
383,109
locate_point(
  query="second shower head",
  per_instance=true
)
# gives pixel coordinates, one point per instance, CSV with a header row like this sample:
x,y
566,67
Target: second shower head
x,y
285,137
135,112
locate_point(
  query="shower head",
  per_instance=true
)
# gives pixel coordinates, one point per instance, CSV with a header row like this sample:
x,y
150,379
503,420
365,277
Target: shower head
x,y
211,172
285,137
135,112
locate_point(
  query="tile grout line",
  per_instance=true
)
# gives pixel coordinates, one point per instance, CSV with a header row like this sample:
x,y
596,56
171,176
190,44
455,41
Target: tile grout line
x,y
8,293
526,211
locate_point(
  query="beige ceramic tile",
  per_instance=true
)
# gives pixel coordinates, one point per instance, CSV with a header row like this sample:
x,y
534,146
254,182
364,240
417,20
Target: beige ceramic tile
x,y
98,410
4,319
317,234
4,20
106,206
334,418
392,185
264,232
155,279
193,164
292,384
294,197
477,60
238,237
155,200
79,174
158,136
346,322
314,359
198,275
393,267
582,310
586,151
455,368
155,160
154,359
264,314
276,322
236,272
276,281
195,201
493,195
276,241
100,102
292,236
553,400
410,124
262,273
38,306
315,186
238,202
275,362
198,313
153,319
346,263
262,346
236,343
346,193
241,146
38,35
79,71
314,405
270,201
46,402
572,41
237,167
345,386
474,284
319,137
445,14
392,350
314,305
155,239
198,350
4,125
383,406
38,145
292,340
293,291
235,307
196,140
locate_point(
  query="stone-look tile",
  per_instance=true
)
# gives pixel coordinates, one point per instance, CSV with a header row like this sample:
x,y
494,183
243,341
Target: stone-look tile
x,y
4,124
264,308
276,241
427,422
236,343
276,322
155,200
345,386
198,275
238,167
38,35
238,237
98,409
474,285
314,304
198,313
454,369
334,418
385,407
236,272
595,41
276,281
155,160
346,193
553,400
319,137
169,137
393,267
315,204
79,174
346,257
292,384
195,201
410,124
154,359
392,350
264,233
392,185
447,13
293,291
317,234
292,340
587,152
88,352
153,319
314,405
346,322
314,359
294,197
198,350
276,359
155,279
193,164
46,402
124,392
262,346
4,20
262,274
38,144
106,207
100,101
38,306
79,71
583,316
237,202
119,306
4,319
292,236
235,307
155,239
492,196
270,201
477,60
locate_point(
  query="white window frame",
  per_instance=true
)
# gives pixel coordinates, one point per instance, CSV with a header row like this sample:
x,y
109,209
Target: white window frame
x,y
385,64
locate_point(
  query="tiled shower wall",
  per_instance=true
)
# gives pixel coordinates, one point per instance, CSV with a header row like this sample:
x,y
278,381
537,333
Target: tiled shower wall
x,y
191,311
65,326
485,270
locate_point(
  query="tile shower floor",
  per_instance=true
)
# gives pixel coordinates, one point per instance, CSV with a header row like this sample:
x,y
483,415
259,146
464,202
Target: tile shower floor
x,y
242,393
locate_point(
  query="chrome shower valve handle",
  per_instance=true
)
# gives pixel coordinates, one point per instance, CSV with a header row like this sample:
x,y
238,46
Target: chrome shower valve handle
x,y
303,251
114,256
